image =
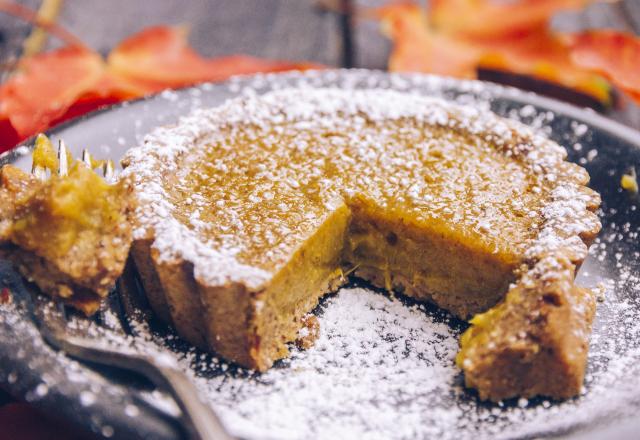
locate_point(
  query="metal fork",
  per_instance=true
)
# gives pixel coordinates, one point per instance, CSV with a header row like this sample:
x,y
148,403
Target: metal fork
x,y
76,341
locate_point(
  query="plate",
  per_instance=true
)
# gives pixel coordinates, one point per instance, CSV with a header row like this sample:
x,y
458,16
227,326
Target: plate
x,y
383,366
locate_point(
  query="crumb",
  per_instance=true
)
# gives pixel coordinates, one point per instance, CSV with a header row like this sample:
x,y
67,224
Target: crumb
x,y
599,291
629,182
5,296
309,332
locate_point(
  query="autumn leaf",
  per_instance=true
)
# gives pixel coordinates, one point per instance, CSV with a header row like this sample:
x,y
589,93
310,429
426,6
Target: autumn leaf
x,y
417,48
421,46
613,54
490,18
160,57
46,85
544,56
51,87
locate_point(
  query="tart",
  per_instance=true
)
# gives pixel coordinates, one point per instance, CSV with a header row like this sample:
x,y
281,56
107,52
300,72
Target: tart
x,y
250,212
69,234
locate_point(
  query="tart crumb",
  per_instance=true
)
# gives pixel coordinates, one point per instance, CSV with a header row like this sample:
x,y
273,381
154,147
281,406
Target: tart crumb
x,y
629,182
309,332
599,291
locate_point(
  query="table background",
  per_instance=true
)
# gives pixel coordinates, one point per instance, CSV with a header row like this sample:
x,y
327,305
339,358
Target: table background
x,y
281,29
285,29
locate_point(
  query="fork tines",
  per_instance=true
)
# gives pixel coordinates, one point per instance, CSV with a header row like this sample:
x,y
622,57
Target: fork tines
x,y
39,172
107,168
108,171
63,166
86,158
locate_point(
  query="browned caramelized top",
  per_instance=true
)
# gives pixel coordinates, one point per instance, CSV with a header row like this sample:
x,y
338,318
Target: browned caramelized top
x,y
245,183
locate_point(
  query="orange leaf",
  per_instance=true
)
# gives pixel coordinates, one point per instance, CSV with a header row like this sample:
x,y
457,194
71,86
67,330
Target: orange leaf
x,y
613,54
417,48
160,57
55,86
46,85
485,18
543,55
536,52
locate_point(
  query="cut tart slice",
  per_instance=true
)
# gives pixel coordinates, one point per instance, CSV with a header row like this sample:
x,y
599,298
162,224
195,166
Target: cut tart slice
x,y
535,341
70,233
248,213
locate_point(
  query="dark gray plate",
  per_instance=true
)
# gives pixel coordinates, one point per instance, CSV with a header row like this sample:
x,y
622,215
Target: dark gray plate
x,y
115,404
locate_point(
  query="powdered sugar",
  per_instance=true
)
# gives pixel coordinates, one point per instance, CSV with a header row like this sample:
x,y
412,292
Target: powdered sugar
x,y
352,361
332,129
288,404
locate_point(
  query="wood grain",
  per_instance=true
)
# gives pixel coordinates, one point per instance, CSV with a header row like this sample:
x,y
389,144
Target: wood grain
x,y
285,29
12,34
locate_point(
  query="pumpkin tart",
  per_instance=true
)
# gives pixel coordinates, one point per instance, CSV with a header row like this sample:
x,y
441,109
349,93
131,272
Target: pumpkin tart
x,y
250,212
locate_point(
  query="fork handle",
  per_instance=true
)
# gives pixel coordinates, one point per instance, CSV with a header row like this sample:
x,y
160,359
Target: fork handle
x,y
202,423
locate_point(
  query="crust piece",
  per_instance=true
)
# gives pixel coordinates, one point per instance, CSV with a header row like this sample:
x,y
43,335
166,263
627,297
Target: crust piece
x,y
69,235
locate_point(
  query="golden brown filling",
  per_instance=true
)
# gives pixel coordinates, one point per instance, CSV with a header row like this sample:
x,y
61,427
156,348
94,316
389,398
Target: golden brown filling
x,y
71,233
479,333
67,208
245,191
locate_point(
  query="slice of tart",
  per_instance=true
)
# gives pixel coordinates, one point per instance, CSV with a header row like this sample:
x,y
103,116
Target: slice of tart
x,y
535,341
70,234
248,213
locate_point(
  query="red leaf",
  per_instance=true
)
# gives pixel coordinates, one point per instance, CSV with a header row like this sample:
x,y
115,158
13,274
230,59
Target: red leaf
x,y
544,55
613,54
160,57
46,85
417,48
55,86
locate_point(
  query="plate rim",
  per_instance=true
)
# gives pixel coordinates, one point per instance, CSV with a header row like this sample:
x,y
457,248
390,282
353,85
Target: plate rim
x,y
585,114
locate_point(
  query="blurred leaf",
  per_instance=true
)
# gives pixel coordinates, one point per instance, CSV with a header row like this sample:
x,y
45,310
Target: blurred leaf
x,y
456,37
51,87
543,55
613,54
160,57
46,85
418,48
490,18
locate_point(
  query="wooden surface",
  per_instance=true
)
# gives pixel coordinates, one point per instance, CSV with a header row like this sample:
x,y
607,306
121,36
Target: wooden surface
x,y
286,29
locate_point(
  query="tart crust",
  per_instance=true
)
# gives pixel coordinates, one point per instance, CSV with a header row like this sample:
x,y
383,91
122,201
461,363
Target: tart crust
x,y
249,212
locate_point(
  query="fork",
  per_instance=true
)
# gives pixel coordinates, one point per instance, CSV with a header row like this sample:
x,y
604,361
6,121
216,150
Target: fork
x,y
75,340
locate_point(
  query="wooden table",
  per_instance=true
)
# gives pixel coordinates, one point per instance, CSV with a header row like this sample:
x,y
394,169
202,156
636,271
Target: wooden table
x,y
284,29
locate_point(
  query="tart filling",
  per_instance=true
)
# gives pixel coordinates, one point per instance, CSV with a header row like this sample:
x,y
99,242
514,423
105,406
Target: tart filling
x,y
69,234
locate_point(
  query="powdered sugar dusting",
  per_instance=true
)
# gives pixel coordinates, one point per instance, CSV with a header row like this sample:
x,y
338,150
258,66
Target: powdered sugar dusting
x,y
352,361
380,369
262,170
